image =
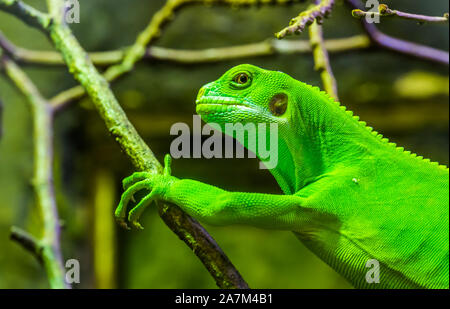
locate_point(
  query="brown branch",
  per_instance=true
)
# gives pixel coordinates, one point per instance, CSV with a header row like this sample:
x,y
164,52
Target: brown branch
x,y
204,246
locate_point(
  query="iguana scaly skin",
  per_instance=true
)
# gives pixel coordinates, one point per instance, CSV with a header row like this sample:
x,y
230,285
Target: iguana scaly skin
x,y
350,194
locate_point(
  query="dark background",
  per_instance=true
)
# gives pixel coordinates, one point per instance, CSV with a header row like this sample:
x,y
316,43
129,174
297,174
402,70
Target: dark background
x,y
403,98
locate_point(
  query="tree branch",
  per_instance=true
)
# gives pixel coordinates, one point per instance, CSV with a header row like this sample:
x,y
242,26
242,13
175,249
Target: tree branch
x,y
132,144
153,30
385,11
268,47
321,60
49,249
27,241
400,46
26,13
317,12
264,48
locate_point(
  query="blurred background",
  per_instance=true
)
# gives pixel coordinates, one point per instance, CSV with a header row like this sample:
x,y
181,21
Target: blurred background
x,y
405,99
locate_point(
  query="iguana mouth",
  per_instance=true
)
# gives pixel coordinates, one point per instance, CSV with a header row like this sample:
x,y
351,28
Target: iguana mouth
x,y
217,104
217,100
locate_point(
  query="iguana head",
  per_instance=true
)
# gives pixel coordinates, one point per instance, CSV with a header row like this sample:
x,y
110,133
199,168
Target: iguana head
x,y
247,96
244,94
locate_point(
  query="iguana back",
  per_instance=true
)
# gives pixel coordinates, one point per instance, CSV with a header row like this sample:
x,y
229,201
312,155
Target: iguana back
x,y
389,205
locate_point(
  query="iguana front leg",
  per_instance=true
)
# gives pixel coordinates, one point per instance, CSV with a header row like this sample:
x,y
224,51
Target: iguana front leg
x,y
208,203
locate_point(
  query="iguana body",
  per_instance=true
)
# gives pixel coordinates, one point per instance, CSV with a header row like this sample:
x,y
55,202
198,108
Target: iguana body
x,y
350,195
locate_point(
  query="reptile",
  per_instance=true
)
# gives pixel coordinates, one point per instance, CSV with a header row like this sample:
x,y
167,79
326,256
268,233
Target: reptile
x,y
350,195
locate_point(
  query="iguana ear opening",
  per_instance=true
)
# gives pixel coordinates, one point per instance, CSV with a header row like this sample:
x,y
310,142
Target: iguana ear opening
x,y
278,104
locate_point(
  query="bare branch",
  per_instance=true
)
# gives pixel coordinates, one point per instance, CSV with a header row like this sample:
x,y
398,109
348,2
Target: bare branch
x,y
50,249
385,11
27,241
267,47
154,29
264,48
204,246
26,13
401,46
321,60
317,12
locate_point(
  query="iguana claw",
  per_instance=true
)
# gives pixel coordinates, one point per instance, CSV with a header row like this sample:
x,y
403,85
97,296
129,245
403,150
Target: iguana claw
x,y
122,224
133,184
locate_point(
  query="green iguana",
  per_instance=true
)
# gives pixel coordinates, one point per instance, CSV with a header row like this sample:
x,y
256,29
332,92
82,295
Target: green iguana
x,y
351,196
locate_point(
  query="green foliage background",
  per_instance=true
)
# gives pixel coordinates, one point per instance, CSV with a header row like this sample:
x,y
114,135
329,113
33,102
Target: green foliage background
x,y
405,99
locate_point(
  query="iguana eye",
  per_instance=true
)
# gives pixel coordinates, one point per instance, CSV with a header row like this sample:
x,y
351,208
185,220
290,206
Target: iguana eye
x,y
241,78
278,104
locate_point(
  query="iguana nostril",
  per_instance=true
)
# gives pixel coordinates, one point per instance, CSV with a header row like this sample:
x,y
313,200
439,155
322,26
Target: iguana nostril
x,y
201,92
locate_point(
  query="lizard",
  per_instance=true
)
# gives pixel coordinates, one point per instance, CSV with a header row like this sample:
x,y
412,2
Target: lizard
x,y
350,195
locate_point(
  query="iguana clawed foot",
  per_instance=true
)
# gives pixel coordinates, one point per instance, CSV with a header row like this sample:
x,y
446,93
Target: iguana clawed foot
x,y
135,183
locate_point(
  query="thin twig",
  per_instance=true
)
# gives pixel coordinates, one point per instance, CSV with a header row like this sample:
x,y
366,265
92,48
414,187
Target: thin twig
x,y
385,11
27,241
268,47
50,249
321,60
400,46
317,12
